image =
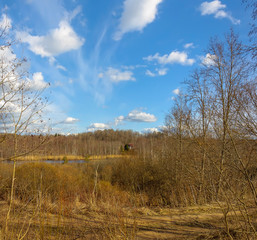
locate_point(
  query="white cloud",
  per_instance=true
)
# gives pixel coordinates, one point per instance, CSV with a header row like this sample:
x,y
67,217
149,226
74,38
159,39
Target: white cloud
x,y
189,45
133,116
137,116
216,8
155,129
151,130
37,82
176,91
159,72
56,42
5,22
209,60
172,58
116,76
98,126
70,120
162,71
213,7
136,15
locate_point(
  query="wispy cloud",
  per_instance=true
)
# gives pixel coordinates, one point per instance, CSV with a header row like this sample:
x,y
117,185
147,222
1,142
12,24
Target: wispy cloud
x,y
150,73
158,72
93,76
61,67
172,58
115,75
137,14
216,8
189,45
5,22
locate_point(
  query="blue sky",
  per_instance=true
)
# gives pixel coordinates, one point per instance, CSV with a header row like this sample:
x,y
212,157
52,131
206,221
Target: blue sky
x,y
116,64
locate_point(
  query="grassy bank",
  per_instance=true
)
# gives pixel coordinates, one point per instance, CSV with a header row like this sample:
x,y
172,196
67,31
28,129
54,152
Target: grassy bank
x,y
65,157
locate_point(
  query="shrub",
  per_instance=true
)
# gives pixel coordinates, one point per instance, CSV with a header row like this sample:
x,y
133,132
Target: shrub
x,y
50,181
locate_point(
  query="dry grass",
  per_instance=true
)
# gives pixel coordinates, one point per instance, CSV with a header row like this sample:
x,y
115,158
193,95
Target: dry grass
x,y
68,202
96,220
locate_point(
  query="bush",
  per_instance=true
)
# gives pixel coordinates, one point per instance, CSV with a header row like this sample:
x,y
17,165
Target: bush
x,y
65,159
52,182
5,180
140,176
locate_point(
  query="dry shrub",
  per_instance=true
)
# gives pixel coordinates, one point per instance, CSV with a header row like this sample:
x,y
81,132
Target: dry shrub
x,y
112,194
5,180
106,173
48,181
144,177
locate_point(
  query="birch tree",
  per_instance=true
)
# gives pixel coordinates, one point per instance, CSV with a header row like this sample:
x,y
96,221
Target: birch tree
x,y
21,102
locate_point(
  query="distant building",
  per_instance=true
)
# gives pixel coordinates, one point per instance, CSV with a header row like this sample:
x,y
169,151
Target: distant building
x,y
128,146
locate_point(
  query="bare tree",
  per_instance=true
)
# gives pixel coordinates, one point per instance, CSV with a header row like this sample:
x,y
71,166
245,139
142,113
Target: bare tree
x,y
223,95
226,70
21,104
176,127
201,100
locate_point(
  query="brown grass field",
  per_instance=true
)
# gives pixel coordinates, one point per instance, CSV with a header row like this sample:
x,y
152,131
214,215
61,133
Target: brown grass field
x,y
88,221
80,201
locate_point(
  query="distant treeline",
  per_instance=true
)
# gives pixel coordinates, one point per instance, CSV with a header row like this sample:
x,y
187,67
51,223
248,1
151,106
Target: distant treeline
x,y
107,142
